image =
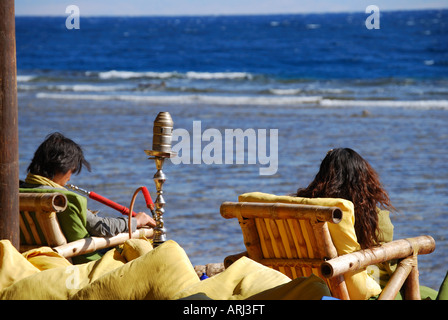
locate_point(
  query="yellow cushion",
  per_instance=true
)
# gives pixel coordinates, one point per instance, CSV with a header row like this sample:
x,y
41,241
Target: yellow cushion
x,y
241,280
134,248
157,275
246,279
13,266
45,258
359,284
302,288
161,273
59,282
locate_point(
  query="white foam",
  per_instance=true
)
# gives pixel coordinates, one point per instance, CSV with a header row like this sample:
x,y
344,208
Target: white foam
x,y
251,100
25,78
218,75
114,74
420,104
295,91
285,92
188,99
313,26
87,88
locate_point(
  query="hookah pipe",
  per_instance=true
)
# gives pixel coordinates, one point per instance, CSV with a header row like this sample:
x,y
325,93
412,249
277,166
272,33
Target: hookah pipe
x,y
125,211
161,150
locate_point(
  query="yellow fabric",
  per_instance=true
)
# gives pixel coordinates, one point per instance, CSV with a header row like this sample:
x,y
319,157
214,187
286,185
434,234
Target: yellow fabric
x,y
360,286
385,225
383,271
45,258
241,280
13,266
41,181
302,288
161,273
247,279
153,275
157,275
134,248
60,282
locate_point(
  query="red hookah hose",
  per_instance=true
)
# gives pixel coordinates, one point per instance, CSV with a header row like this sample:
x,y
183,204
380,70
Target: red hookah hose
x,y
95,196
110,203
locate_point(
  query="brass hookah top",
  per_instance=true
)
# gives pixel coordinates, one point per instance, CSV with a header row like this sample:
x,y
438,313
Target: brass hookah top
x,y
162,136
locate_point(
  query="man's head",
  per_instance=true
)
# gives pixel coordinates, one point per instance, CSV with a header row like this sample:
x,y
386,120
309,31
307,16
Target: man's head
x,y
57,156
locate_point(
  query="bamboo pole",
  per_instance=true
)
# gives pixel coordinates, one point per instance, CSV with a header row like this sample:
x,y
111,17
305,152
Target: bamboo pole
x,y
93,244
324,242
44,206
251,239
9,133
281,211
412,284
397,280
338,288
51,229
397,249
48,202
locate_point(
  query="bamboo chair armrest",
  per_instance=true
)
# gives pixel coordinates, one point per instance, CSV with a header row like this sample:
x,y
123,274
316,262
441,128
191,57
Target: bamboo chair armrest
x,y
93,244
253,210
42,202
397,249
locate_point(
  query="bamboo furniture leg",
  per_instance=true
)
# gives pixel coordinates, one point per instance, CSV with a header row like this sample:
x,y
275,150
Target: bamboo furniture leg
x,y
399,277
412,284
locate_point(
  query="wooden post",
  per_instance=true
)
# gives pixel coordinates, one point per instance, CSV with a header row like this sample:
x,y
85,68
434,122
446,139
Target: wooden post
x,y
9,133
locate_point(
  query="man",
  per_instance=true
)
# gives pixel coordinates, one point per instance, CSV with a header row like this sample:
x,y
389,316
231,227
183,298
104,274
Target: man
x,y
52,166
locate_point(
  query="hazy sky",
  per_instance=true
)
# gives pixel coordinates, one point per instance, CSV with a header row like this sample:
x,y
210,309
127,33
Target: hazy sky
x,y
207,7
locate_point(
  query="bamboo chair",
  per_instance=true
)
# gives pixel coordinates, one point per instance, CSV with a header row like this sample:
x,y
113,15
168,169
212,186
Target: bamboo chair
x,y
39,227
294,239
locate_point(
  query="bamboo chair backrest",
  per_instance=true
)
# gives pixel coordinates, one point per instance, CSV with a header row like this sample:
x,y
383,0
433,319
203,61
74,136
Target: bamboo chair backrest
x,y
38,221
291,238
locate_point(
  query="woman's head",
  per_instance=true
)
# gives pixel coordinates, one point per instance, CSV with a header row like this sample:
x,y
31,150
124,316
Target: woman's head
x,y
57,155
345,174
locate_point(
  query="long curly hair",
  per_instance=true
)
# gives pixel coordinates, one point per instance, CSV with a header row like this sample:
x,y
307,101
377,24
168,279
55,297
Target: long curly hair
x,y
345,174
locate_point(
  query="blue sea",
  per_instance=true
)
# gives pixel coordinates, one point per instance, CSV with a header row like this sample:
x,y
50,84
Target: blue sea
x,y
322,80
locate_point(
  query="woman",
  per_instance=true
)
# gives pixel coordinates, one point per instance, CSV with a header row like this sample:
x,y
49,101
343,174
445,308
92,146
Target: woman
x,y
345,174
52,166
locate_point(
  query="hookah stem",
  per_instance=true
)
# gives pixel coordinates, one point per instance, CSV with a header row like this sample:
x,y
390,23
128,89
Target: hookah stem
x,y
125,211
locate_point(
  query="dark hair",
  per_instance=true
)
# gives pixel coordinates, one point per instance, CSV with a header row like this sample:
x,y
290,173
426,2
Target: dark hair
x,y
345,174
57,154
